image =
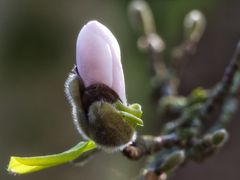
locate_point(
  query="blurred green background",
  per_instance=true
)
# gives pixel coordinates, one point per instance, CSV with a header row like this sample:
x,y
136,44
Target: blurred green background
x,y
37,50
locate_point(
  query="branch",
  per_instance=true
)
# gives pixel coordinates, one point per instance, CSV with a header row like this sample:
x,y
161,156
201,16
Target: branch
x,y
148,145
182,139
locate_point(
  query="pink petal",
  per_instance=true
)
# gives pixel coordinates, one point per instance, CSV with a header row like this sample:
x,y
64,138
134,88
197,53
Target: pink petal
x,y
94,58
99,59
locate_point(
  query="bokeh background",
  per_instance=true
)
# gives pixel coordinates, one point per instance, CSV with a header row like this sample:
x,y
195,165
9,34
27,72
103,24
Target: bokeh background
x,y
37,50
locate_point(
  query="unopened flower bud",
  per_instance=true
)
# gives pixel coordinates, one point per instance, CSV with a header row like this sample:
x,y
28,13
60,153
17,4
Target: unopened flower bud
x,y
96,91
219,137
173,160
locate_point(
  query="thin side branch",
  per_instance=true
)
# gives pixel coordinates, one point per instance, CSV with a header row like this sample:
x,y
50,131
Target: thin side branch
x,y
148,145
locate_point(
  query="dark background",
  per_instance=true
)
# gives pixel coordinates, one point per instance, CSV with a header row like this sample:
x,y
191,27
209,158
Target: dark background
x,y
37,50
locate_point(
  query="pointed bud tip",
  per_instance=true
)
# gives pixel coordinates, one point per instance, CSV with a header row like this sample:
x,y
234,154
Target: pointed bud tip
x,y
219,137
173,160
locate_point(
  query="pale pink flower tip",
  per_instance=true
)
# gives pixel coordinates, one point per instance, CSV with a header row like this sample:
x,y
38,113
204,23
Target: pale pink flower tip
x,y
98,58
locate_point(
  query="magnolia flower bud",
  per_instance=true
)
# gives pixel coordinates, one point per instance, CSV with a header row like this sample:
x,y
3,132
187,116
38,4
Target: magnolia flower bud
x,y
96,91
99,59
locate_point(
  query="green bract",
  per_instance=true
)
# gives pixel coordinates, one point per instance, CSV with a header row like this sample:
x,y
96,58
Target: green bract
x,y
131,114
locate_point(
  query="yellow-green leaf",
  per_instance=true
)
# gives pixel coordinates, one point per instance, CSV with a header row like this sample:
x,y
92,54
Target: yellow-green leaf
x,y
23,165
